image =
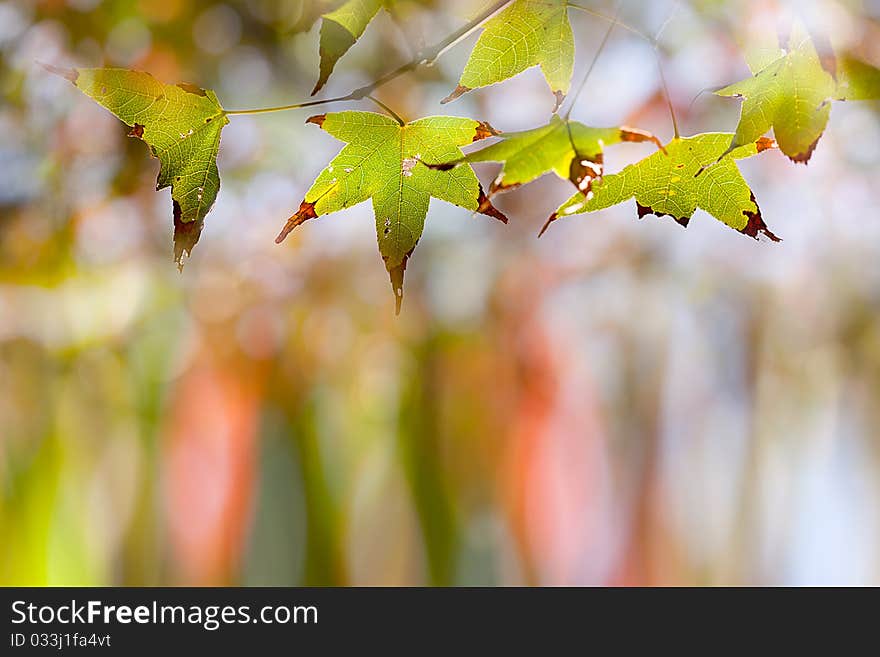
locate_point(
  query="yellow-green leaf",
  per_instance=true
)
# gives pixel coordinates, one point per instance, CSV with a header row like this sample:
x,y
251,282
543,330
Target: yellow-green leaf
x,y
528,33
856,79
680,180
792,95
180,123
571,150
340,30
382,161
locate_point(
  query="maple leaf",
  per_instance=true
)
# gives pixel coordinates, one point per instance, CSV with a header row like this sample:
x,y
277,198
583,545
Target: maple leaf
x,y
528,33
680,180
382,161
792,95
571,150
856,79
180,123
340,30
342,27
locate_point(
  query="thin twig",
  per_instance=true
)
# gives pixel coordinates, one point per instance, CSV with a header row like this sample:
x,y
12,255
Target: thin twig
x,y
592,65
424,57
666,93
668,98
655,45
284,108
616,20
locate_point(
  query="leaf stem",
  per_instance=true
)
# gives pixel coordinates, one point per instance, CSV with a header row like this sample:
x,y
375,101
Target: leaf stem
x,y
424,57
390,111
598,54
656,41
285,108
614,19
655,45
668,98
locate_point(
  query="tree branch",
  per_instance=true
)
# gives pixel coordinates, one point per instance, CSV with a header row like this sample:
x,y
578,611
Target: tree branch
x,y
424,57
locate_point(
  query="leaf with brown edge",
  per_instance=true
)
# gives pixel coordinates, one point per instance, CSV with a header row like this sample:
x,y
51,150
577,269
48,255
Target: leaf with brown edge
x,y
792,95
397,274
484,131
571,150
455,94
186,236
676,182
181,124
382,162
484,206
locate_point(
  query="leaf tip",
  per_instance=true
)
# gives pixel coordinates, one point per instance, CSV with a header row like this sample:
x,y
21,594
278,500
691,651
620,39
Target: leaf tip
x,y
553,217
755,226
336,40
306,211
318,120
186,236
397,273
69,74
485,207
318,86
457,93
323,78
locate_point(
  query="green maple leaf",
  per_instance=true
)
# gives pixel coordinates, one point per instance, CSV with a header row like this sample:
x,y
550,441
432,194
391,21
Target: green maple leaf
x,y
856,79
342,27
792,95
571,150
340,30
382,161
528,33
180,123
680,180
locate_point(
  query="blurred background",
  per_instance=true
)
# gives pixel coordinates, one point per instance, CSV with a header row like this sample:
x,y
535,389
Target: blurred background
x,y
621,402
